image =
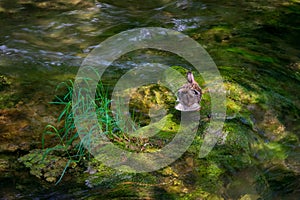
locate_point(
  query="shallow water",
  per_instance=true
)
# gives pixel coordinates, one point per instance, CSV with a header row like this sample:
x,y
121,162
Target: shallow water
x,y
255,45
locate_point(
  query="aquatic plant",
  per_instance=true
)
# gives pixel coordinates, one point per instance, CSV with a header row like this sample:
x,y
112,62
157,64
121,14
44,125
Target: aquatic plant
x,y
66,132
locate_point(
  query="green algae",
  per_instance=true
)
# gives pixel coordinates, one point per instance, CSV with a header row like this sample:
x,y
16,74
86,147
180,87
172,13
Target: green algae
x,y
251,55
115,183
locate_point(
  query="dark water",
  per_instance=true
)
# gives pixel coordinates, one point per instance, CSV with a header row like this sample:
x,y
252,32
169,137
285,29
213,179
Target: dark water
x,y
255,45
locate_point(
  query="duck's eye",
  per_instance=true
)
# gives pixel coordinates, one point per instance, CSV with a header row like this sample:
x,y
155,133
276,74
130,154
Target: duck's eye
x,y
196,92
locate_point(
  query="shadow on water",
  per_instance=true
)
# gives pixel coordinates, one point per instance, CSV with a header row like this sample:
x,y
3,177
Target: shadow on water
x,y
255,46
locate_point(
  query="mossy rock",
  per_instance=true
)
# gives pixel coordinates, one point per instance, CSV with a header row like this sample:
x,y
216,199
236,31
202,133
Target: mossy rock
x,y
150,99
104,176
48,167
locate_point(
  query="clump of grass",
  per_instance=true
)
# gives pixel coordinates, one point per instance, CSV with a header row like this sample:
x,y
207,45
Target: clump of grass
x,y
67,134
74,147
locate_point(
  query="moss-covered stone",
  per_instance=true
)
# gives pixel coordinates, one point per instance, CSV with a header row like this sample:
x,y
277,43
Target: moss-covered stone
x,y
47,167
148,100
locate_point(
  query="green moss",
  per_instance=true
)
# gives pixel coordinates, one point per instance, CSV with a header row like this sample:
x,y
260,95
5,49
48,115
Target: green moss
x,y
49,168
4,82
209,182
110,178
271,151
214,35
233,153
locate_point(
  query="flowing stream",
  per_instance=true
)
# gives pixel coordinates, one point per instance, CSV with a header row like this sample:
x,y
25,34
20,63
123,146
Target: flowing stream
x,y
255,45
